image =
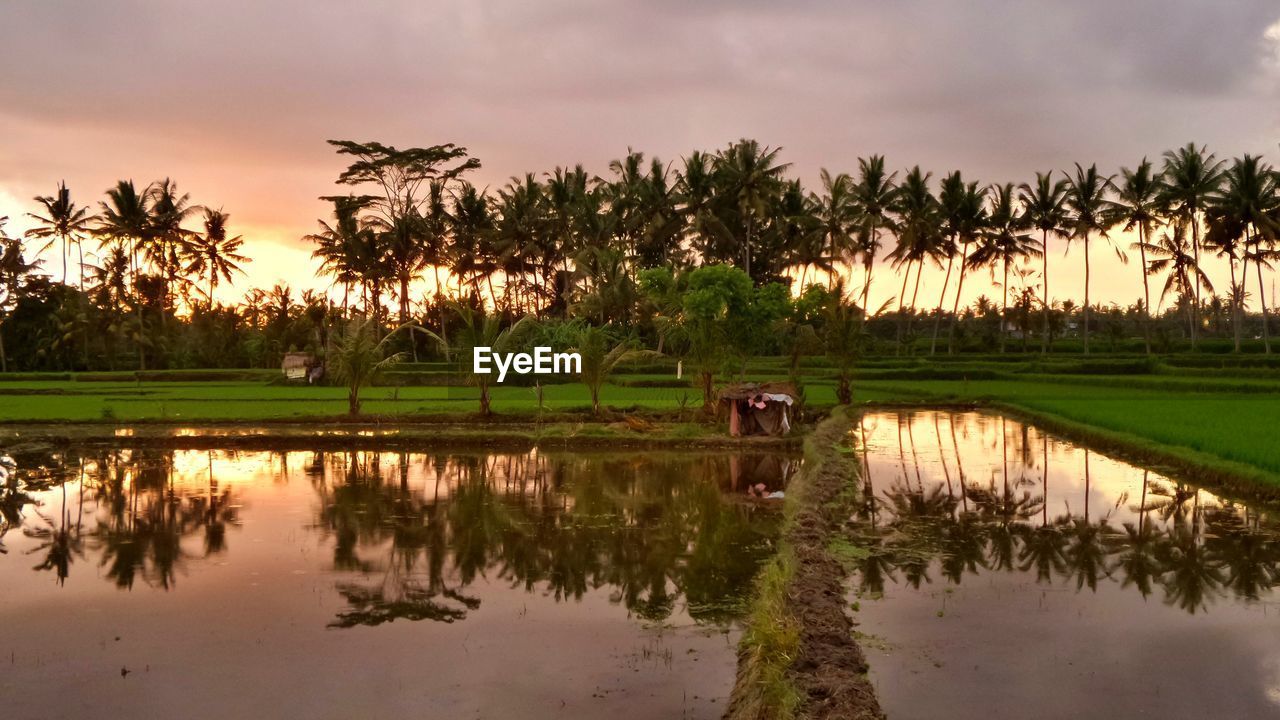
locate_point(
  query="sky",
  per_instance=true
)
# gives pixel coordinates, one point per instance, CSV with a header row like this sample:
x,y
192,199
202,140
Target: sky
x,y
234,100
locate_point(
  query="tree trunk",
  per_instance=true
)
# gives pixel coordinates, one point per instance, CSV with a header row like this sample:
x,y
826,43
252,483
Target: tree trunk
x,y
4,363
1004,305
870,261
1044,248
955,308
937,320
1086,294
1235,302
1195,248
353,400
1262,298
1146,287
902,304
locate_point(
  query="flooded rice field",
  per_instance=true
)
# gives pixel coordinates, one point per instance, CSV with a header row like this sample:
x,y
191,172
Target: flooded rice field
x,y
1012,574
230,584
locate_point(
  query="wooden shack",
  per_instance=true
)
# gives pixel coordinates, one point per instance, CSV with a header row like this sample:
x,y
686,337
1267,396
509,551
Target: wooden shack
x,y
757,408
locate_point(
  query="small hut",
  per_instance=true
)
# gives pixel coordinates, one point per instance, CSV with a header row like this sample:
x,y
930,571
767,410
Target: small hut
x,y
296,364
758,408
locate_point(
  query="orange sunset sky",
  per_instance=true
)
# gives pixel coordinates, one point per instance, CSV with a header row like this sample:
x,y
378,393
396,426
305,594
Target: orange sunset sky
x,y
234,100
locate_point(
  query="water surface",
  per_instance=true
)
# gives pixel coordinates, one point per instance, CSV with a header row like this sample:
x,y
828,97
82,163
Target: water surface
x,y
1013,574
229,584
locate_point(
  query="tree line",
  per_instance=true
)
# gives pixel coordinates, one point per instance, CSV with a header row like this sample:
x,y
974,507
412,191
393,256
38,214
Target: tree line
x,y
414,241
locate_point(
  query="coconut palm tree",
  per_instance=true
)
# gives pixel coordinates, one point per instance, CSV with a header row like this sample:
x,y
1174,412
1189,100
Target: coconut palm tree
x,y
1087,206
963,217
1172,254
751,175
837,212
920,237
125,218
65,221
1137,207
875,195
1190,179
1044,206
1003,243
471,250
168,241
213,254
1247,208
339,246
480,329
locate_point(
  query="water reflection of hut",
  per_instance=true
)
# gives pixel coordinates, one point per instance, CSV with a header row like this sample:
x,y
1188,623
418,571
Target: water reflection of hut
x,y
758,408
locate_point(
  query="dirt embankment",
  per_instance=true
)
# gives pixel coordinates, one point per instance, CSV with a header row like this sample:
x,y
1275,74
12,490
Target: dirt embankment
x,y
823,672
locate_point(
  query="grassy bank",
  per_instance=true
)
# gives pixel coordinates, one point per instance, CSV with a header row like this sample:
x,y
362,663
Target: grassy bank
x,y
1214,426
798,657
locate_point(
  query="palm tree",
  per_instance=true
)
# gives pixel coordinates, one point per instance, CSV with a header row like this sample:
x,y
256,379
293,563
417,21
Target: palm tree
x,y
600,357
919,235
1247,208
751,174
1172,254
875,195
340,245
480,329
1087,204
837,211
1191,177
168,240
125,218
1262,256
963,216
65,221
358,357
1045,209
1137,206
1003,244
213,254
472,252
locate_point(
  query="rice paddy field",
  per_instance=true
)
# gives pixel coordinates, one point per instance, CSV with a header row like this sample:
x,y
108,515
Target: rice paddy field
x,y
1214,408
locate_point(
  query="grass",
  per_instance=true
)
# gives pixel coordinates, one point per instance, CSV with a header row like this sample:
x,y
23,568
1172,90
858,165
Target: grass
x,y
1215,423
1210,409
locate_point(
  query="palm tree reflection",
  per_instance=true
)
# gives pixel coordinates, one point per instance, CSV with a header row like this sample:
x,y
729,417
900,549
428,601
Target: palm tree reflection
x,y
1172,541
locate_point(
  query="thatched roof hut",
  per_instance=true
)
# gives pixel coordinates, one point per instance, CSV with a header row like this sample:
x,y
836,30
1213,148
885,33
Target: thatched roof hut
x,y
757,408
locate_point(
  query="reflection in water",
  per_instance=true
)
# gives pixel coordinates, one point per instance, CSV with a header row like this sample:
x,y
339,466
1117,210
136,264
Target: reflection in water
x,y
1009,514
976,516
409,533
633,567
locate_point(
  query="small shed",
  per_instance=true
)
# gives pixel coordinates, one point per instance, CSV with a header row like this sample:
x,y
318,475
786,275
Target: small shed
x,y
758,408
296,364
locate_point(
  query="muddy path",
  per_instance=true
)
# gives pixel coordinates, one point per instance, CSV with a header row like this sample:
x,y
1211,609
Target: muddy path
x,y
827,673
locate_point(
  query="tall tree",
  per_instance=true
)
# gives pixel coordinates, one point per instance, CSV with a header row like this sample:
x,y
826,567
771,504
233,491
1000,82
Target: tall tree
x,y
750,174
1004,244
1246,209
125,218
1137,207
1173,255
1191,177
875,194
837,213
64,221
1045,208
1087,204
213,254
963,217
919,229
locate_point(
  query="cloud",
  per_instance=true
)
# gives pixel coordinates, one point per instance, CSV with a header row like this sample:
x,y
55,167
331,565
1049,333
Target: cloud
x,y
236,98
